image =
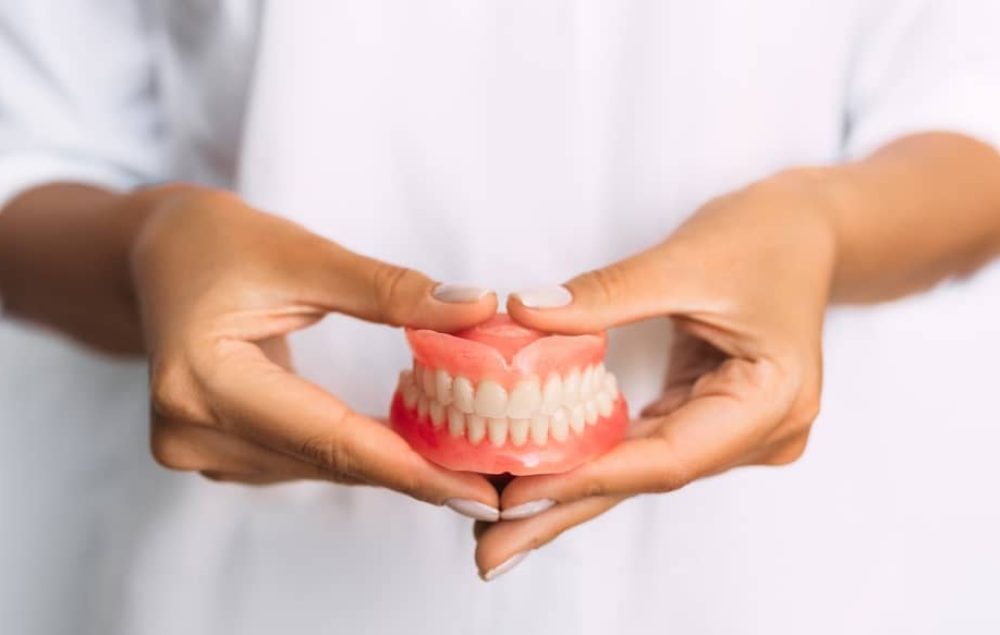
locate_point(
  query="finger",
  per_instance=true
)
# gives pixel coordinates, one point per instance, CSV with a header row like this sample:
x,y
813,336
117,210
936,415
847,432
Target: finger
x,y
252,478
715,430
500,542
343,281
259,401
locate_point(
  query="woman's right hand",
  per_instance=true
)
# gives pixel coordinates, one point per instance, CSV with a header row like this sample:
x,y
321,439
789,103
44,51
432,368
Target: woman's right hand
x,y
219,286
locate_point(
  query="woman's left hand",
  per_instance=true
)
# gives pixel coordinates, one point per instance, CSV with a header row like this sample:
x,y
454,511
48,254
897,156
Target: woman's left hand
x,y
746,281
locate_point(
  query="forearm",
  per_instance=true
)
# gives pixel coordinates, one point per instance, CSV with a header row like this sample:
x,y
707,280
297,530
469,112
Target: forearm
x,y
920,210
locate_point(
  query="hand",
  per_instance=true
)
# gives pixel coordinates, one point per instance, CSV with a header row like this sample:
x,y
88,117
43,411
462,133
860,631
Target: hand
x,y
219,285
746,282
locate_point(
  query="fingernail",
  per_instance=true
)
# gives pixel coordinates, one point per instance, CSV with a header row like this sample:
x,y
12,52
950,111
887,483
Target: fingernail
x,y
526,510
473,509
504,567
458,293
544,297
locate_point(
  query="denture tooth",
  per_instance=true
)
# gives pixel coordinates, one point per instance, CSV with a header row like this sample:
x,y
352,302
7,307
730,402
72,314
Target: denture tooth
x,y
423,405
611,385
477,428
442,386
577,418
587,383
540,429
427,381
464,395
456,422
524,399
437,414
590,412
605,404
571,388
491,399
559,425
496,429
409,390
552,394
519,431
599,372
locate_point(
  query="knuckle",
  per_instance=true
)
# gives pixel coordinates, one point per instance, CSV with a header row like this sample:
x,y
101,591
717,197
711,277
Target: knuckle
x,y
172,393
171,450
789,452
609,283
330,453
390,283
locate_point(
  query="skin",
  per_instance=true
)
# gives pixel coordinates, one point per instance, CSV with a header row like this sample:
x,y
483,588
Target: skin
x,y
209,288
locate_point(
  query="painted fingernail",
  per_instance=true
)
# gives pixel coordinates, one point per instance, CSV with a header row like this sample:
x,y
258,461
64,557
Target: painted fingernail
x,y
526,510
545,297
504,566
473,509
459,293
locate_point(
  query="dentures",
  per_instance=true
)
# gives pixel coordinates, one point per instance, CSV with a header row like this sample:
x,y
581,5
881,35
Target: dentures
x,y
503,398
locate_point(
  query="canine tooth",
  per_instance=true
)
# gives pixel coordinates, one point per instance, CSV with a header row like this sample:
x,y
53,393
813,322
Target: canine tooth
x,y
590,412
540,429
437,414
552,394
423,405
410,394
611,385
524,399
456,422
605,404
519,431
477,428
427,380
442,386
559,425
571,388
464,396
587,383
496,429
577,418
491,399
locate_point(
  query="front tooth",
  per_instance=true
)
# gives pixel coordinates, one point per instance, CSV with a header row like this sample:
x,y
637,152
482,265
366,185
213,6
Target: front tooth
x,y
540,429
491,399
442,386
496,428
456,422
571,388
524,399
427,378
587,383
437,414
590,412
423,405
552,394
605,404
519,431
559,425
611,385
577,418
464,395
477,428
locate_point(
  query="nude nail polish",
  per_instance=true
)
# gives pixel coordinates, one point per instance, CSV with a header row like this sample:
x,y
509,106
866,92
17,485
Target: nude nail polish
x,y
527,510
544,297
459,293
473,509
504,566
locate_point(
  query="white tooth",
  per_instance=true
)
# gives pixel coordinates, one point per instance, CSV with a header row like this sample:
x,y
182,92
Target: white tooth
x,y
496,429
464,396
552,394
605,404
571,388
519,431
587,383
611,385
427,382
418,375
405,377
559,425
598,377
423,405
491,399
477,428
437,414
410,394
524,399
540,429
442,386
590,412
456,422
577,418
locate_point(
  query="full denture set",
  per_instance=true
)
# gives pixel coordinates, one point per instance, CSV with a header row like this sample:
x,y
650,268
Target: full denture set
x,y
503,398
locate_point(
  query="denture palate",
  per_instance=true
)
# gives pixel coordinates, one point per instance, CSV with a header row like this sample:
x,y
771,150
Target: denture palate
x,y
531,409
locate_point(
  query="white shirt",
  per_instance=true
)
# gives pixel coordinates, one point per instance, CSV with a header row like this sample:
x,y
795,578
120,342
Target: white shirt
x,y
507,143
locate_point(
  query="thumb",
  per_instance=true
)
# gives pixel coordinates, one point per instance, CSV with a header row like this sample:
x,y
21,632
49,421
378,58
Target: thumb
x,y
643,286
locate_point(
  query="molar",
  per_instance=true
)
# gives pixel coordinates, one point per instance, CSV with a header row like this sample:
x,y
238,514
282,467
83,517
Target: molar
x,y
423,405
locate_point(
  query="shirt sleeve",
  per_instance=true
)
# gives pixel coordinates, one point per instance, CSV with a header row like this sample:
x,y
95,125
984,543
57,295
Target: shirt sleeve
x,y
78,96
924,65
